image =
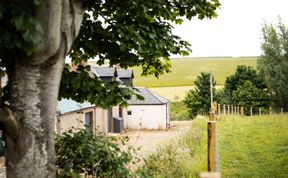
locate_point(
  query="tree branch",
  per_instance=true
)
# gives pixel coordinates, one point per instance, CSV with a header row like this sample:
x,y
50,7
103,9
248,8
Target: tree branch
x,y
9,121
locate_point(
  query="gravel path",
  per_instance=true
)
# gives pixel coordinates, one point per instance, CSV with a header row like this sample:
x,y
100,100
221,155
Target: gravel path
x,y
149,140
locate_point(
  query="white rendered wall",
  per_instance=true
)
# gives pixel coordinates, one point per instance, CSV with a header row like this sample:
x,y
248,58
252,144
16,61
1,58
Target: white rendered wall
x,y
101,120
74,119
146,117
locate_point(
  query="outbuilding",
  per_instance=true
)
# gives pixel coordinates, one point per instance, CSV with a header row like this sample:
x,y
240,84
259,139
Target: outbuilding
x,y
151,113
72,114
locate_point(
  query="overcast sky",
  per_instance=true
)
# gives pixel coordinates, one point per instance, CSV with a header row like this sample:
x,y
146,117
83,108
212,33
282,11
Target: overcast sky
x,y
237,29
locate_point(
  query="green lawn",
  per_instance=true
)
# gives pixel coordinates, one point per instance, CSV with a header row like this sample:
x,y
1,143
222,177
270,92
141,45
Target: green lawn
x,y
185,71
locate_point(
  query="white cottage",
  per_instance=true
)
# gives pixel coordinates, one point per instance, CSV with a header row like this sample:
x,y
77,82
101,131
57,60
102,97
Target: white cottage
x,y
151,113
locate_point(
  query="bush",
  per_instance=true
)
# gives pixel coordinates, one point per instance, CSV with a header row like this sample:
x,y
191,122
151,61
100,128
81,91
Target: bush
x,y
248,95
179,111
80,152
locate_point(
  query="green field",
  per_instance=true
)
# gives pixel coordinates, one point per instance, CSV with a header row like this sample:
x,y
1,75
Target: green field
x,y
248,147
254,147
185,71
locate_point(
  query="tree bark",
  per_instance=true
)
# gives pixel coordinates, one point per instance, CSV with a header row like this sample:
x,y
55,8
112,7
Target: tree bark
x,y
29,115
30,151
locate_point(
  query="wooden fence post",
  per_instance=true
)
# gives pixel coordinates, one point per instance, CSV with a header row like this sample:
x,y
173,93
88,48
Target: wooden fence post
x,y
210,175
270,110
212,115
219,110
260,112
212,146
281,111
251,111
215,106
242,111
228,110
224,109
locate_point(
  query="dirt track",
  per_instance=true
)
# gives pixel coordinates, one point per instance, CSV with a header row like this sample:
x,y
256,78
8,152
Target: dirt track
x,y
148,140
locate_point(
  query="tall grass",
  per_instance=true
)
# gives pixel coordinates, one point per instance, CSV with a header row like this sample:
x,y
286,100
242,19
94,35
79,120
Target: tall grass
x,y
185,157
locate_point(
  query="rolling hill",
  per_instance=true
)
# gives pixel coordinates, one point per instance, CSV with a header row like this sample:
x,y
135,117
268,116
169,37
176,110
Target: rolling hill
x,y
185,71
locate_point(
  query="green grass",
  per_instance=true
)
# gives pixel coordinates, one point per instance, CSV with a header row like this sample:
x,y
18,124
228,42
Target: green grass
x,y
178,111
185,71
248,147
254,147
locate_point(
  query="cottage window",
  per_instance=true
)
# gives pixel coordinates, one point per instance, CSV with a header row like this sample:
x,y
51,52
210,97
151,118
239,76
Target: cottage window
x,y
89,121
129,113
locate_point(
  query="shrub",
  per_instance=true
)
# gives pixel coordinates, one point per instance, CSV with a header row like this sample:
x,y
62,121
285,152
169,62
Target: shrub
x,y
248,95
179,111
97,155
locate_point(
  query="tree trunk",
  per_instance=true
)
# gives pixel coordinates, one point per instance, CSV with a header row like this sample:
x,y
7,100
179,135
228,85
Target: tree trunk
x,y
33,101
28,118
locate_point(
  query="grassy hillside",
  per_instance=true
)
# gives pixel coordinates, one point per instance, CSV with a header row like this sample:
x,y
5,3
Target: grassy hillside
x,y
185,71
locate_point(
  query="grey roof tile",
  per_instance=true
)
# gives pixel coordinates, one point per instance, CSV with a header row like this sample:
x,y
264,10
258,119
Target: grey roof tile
x,y
150,98
123,73
104,71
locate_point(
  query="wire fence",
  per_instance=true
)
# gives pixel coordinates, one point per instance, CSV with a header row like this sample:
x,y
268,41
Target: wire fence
x,y
219,110
222,109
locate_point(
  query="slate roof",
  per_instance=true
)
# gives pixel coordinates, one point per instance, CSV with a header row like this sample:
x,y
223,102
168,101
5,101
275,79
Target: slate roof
x,y
150,98
123,73
68,105
104,71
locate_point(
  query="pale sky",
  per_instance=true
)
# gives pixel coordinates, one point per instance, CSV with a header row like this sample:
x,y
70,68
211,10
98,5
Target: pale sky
x,y
237,29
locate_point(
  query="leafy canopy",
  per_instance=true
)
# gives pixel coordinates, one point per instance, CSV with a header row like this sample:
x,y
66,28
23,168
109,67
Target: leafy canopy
x,y
132,33
19,28
273,63
248,95
242,75
129,33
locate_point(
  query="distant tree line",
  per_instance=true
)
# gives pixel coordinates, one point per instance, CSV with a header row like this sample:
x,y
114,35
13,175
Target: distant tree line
x,y
244,88
247,87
